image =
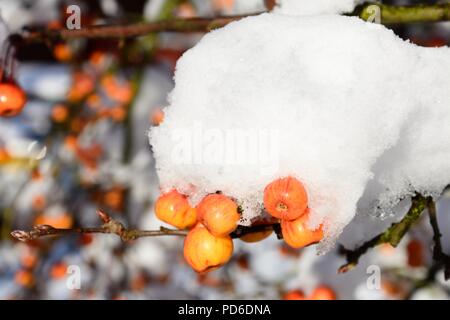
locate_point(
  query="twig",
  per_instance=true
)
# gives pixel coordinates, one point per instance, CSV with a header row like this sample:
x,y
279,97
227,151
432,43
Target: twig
x,y
393,235
132,30
112,226
405,14
387,14
440,259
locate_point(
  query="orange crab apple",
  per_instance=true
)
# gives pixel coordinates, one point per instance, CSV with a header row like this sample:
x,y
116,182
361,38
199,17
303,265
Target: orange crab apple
x,y
294,295
257,235
4,155
12,100
157,117
415,253
60,113
174,209
323,293
205,252
58,270
296,233
63,52
24,278
285,198
219,214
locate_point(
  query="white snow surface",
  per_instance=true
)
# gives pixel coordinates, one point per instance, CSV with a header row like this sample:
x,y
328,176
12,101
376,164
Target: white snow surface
x,y
347,107
315,7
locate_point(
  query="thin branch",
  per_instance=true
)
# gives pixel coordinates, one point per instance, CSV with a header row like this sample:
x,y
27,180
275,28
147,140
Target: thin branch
x,y
388,15
184,25
112,226
393,235
405,14
441,258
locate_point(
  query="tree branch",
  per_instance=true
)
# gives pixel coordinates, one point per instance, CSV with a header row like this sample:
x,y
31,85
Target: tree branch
x,y
185,25
405,14
393,235
388,14
439,256
440,259
112,226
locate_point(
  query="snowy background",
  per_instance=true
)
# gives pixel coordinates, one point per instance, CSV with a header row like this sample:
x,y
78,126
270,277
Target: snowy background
x,y
60,173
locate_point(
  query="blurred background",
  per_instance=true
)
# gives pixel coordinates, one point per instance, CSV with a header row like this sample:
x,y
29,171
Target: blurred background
x,y
81,145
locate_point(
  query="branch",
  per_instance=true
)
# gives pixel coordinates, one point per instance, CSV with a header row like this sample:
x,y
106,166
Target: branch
x,y
185,25
388,14
442,259
393,235
112,226
405,14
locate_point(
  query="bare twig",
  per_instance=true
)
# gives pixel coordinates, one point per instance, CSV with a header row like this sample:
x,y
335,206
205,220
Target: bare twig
x,y
185,25
393,235
405,14
112,226
387,14
441,259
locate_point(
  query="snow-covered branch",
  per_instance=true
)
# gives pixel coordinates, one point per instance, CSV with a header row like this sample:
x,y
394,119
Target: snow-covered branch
x,y
393,235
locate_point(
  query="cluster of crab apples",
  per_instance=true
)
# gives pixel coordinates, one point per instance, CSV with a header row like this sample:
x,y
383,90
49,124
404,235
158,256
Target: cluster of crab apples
x,y
209,244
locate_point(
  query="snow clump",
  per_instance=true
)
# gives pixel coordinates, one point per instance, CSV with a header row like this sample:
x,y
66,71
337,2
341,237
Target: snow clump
x,y
347,107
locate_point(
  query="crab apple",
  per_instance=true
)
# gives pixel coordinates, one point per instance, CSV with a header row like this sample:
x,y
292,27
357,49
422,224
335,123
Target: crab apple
x,y
297,234
12,100
294,295
205,252
219,214
60,113
285,198
60,221
4,155
257,235
323,293
174,209
63,52
415,253
58,270
157,117
24,278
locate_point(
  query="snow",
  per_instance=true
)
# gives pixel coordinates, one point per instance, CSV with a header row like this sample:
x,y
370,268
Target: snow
x,y
354,112
308,7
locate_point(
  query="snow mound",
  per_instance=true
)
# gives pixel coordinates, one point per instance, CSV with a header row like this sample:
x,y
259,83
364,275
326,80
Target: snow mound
x,y
354,112
315,7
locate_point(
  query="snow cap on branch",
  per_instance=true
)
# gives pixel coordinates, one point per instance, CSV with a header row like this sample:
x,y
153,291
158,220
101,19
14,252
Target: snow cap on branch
x,y
347,107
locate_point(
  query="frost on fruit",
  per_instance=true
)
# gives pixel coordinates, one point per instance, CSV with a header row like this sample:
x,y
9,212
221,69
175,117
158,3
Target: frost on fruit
x,y
358,115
